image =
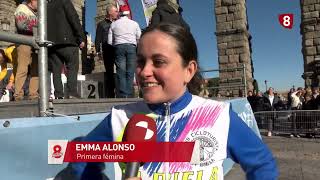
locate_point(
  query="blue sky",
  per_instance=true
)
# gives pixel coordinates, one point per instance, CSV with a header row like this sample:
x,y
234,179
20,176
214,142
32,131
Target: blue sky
x,y
276,51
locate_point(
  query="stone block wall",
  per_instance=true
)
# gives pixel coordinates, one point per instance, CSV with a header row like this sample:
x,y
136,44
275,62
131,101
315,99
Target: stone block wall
x,y
101,9
234,46
7,8
79,5
310,31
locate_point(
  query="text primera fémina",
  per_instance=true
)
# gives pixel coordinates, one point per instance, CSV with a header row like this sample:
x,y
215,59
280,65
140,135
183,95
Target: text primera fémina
x,y
105,147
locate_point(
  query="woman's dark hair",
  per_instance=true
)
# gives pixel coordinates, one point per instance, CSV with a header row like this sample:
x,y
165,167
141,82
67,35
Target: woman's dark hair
x,y
4,55
162,2
186,47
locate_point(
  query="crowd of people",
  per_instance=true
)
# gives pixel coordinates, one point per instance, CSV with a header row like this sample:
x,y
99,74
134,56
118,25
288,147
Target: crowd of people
x,y
297,99
22,57
116,41
66,33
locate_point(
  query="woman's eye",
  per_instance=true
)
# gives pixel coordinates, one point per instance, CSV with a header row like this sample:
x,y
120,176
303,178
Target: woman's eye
x,y
158,62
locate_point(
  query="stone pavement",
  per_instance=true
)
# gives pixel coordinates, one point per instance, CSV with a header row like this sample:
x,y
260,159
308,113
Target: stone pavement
x,y
297,158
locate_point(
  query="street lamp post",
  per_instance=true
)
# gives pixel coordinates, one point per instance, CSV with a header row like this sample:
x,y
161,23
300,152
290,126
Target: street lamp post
x,y
265,82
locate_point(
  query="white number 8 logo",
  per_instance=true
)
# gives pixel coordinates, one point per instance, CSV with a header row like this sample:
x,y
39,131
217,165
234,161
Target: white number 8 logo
x,y
286,21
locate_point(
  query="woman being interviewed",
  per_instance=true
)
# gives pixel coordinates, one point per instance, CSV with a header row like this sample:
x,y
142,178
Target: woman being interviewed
x,y
167,71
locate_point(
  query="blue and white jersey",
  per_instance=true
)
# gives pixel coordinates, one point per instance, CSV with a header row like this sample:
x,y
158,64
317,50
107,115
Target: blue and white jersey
x,y
221,133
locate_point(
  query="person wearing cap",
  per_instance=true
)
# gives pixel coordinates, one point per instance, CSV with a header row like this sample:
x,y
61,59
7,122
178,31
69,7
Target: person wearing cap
x,y
124,34
106,50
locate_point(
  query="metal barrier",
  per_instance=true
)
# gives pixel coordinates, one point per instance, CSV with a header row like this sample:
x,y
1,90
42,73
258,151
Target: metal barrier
x,y
231,84
291,121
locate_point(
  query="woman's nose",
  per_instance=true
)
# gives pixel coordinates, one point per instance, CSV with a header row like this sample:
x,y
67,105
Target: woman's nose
x,y
146,70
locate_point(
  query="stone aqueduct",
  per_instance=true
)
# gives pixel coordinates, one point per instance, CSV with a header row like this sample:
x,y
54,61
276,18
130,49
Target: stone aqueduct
x,y
232,34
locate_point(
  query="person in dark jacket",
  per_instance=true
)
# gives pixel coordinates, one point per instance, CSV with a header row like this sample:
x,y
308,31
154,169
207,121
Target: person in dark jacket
x,y
251,99
165,13
66,32
273,103
260,104
308,120
106,50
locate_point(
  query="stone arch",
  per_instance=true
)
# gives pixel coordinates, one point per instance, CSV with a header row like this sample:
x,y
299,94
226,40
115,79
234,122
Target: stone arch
x,y
310,31
233,44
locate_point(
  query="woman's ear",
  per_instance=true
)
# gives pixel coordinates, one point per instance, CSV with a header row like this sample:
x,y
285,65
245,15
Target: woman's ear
x,y
191,69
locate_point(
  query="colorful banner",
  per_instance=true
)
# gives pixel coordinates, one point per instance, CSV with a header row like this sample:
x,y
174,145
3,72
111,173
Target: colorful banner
x,y
124,3
148,7
243,109
62,151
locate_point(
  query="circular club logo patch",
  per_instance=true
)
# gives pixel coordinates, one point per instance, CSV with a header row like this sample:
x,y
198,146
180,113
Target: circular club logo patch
x,y
208,146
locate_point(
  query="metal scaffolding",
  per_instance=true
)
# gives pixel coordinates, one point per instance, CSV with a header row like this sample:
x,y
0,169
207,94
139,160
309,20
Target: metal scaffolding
x,y
38,41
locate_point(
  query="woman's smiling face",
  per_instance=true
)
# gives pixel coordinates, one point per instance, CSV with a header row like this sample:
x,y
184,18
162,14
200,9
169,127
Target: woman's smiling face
x,y
160,70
